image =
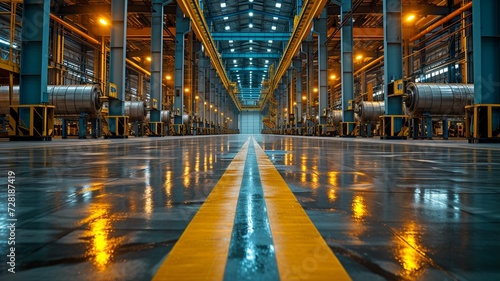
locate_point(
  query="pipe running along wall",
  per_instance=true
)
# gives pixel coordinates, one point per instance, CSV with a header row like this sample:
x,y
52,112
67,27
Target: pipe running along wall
x,y
438,99
69,100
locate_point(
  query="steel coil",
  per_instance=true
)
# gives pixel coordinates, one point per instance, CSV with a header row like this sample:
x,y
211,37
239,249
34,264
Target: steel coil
x,y
135,110
335,116
164,117
370,110
438,99
68,99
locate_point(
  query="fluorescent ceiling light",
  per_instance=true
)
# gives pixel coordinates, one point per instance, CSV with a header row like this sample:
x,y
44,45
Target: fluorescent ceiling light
x,y
278,5
223,5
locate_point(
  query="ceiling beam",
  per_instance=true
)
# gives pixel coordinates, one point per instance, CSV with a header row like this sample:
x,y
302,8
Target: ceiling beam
x,y
420,9
362,33
250,55
105,8
246,36
243,12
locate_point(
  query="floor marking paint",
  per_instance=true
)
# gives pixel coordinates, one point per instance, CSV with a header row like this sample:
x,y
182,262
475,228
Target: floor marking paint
x,y
202,250
301,251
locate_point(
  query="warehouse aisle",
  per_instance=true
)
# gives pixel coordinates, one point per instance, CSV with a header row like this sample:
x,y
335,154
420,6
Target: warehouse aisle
x,y
387,210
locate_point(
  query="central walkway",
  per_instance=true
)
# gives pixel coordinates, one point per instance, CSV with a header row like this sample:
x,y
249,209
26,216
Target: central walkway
x,y
240,207
237,205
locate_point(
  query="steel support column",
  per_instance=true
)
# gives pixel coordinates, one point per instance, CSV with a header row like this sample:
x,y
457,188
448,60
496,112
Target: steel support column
x,y
117,64
117,54
182,26
320,26
202,77
34,52
486,36
297,65
34,57
393,57
310,78
156,61
347,62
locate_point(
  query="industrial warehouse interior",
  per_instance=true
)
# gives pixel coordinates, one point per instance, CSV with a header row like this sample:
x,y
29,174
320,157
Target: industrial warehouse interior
x,y
249,140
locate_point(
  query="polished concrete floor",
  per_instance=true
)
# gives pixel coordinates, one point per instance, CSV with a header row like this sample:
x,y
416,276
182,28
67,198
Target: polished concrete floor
x,y
115,209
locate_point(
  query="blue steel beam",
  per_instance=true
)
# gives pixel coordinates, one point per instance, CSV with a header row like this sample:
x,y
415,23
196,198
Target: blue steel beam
x,y
255,36
320,26
250,55
34,52
156,59
297,65
117,56
245,12
486,35
182,26
393,56
250,68
347,62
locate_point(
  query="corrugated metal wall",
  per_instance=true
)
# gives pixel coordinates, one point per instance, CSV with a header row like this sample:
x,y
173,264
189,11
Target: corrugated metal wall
x,y
250,122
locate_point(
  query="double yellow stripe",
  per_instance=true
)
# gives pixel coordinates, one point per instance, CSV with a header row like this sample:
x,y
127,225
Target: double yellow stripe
x,y
202,250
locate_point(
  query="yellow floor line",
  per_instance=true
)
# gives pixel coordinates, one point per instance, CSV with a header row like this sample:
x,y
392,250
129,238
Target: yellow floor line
x,y
301,252
202,250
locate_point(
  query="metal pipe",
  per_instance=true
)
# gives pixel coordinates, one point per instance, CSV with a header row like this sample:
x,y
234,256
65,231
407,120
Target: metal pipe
x,y
68,99
441,21
370,110
74,29
135,110
95,41
438,99
164,117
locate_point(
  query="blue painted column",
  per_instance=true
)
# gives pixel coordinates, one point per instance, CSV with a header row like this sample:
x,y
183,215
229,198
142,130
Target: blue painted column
x,y
393,57
82,126
202,77
34,55
320,26
347,62
297,65
156,61
310,76
64,128
486,35
117,58
94,127
182,26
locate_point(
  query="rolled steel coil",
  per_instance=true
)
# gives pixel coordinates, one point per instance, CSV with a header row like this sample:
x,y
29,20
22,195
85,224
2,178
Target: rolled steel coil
x,y
335,116
164,117
68,99
186,120
370,110
438,99
135,110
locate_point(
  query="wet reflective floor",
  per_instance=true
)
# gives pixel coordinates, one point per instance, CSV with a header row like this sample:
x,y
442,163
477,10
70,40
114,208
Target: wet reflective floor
x,y
114,209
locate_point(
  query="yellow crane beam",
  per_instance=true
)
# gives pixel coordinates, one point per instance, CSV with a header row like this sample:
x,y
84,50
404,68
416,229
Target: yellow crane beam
x,y
302,27
192,9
